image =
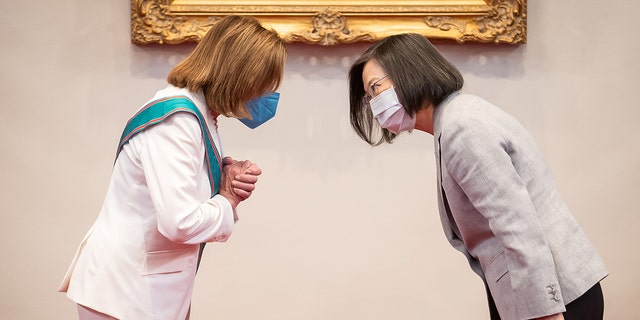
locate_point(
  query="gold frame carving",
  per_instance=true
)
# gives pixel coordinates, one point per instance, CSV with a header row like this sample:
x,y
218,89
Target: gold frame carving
x,y
334,22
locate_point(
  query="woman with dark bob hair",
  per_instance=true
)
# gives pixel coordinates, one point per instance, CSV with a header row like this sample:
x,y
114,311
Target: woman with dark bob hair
x,y
498,202
171,189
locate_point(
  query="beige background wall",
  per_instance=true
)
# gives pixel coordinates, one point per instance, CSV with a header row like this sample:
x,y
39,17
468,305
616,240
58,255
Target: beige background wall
x,y
336,230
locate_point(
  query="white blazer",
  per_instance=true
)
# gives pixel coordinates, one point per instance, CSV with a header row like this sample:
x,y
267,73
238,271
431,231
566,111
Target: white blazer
x,y
138,260
500,206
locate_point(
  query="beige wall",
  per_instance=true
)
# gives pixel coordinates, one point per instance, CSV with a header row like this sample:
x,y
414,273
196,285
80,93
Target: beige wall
x,y
336,230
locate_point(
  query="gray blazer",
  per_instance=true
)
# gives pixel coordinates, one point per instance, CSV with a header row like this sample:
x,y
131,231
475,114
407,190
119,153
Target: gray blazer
x,y
499,205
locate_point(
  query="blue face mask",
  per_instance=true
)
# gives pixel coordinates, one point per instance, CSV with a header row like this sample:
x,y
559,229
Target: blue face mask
x,y
261,109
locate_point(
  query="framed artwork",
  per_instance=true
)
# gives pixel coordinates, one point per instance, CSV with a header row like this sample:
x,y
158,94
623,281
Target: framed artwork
x,y
335,22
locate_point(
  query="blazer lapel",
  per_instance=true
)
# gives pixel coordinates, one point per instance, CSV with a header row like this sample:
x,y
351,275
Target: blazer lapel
x,y
443,207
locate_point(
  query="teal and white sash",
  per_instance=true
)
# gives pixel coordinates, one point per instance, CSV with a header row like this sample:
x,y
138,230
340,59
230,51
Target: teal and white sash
x,y
157,111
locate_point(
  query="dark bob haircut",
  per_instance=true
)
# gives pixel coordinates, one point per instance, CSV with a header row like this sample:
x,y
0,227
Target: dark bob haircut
x,y
420,74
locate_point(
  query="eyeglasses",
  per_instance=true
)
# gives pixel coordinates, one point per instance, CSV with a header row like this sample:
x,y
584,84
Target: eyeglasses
x,y
369,94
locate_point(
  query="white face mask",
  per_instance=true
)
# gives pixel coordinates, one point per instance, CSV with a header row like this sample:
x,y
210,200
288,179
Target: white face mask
x,y
389,112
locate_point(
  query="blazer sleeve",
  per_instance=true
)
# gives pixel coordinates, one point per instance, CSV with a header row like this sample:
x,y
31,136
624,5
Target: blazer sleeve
x,y
478,157
172,157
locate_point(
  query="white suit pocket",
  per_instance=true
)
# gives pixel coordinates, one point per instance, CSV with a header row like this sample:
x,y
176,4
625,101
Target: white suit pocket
x,y
169,261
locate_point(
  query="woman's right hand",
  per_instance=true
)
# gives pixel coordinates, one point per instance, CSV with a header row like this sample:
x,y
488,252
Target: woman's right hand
x,y
238,180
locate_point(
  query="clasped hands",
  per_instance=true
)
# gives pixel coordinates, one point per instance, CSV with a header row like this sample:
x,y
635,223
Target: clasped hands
x,y
238,180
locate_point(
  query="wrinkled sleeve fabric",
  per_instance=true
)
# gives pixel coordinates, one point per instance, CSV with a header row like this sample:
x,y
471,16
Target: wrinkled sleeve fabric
x,y
172,158
478,159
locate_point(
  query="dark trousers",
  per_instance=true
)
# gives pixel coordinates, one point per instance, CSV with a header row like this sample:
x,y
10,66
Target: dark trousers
x,y
589,306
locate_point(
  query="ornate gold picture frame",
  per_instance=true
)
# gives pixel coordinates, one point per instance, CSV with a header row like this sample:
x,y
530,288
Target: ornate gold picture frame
x,y
335,22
